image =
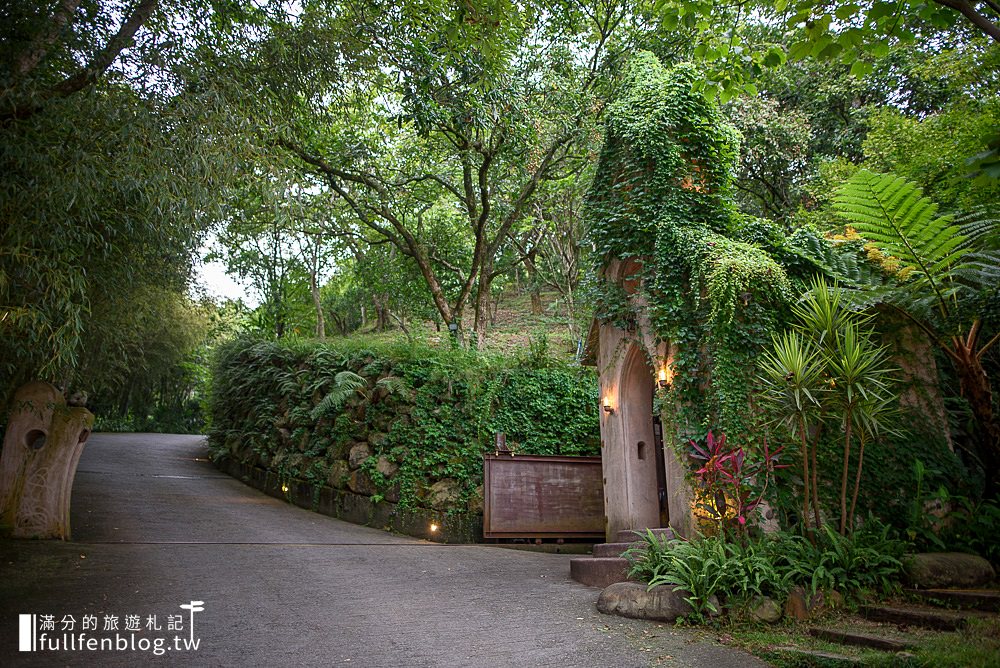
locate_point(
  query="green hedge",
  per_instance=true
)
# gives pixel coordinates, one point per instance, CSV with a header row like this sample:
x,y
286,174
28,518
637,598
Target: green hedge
x,y
410,427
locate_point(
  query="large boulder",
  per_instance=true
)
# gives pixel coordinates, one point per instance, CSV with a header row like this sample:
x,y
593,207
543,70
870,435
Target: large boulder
x,y
663,603
444,494
765,609
386,467
361,483
339,471
359,455
935,570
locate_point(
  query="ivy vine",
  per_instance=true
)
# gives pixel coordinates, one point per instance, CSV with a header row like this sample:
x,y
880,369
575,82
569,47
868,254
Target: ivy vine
x,y
662,196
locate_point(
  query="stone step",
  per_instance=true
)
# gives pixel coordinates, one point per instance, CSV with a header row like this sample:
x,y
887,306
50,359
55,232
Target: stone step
x,y
939,620
632,535
812,657
598,571
987,600
860,639
611,549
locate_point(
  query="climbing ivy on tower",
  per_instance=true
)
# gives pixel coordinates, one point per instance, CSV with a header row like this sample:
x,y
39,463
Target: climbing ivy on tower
x,y
662,196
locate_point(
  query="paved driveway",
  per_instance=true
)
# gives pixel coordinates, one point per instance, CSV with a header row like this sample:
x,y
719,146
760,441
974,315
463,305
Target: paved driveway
x,y
156,526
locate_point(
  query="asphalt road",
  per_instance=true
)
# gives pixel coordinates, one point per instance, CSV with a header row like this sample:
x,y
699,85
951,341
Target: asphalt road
x,y
155,526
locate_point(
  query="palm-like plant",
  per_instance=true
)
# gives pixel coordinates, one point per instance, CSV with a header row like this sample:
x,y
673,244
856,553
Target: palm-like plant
x,y
942,264
792,387
828,369
861,377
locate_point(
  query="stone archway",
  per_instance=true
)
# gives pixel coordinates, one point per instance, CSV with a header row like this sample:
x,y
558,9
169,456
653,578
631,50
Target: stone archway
x,y
639,439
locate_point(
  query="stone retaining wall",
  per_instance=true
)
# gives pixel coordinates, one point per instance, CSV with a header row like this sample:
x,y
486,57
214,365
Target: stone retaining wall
x,y
358,508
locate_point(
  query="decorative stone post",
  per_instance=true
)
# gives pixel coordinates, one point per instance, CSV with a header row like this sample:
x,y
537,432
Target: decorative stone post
x,y
41,448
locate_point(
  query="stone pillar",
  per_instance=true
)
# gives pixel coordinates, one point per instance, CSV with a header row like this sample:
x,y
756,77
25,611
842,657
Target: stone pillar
x,y
41,449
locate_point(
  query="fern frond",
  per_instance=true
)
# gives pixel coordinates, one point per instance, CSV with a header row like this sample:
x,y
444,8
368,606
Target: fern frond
x,y
893,214
345,385
835,261
392,385
981,227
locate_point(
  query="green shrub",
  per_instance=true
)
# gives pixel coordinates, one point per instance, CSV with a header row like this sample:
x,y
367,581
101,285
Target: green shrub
x,y
735,572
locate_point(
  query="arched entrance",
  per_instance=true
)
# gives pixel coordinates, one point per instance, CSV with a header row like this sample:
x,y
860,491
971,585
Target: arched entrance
x,y
643,451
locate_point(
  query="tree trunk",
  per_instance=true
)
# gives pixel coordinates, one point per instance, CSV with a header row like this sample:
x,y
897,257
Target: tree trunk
x,y
806,498
848,418
815,475
483,302
857,476
534,284
314,290
975,387
381,312
570,312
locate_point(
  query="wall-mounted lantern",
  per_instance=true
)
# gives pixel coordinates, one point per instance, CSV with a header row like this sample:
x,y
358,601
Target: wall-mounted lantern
x,y
664,377
608,407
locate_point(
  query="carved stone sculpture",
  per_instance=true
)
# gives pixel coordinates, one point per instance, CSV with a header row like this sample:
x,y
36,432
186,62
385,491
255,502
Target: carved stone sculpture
x,y
41,449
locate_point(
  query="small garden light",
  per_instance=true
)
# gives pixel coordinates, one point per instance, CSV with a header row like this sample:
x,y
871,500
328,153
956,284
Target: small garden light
x,y
608,408
434,527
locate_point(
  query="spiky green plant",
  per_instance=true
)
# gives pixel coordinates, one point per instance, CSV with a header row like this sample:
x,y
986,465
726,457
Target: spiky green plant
x,y
861,381
791,375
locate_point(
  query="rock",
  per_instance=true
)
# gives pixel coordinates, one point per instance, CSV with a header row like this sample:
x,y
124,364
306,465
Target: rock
x,y
392,492
765,609
631,599
386,467
796,606
359,453
948,569
476,501
339,471
361,483
834,599
817,604
444,494
378,440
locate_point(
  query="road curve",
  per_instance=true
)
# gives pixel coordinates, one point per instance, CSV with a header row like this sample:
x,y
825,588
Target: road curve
x,y
156,526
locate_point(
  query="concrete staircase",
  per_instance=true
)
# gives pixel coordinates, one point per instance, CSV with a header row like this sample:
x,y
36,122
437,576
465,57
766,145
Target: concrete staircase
x,y
606,565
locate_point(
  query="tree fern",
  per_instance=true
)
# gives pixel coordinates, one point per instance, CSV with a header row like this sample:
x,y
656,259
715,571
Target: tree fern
x,y
893,214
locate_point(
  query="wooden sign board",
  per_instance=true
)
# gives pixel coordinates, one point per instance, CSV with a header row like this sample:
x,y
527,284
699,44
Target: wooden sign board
x,y
538,496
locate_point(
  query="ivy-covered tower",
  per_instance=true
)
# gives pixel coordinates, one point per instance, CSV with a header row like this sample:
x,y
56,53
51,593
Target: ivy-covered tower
x,y
685,301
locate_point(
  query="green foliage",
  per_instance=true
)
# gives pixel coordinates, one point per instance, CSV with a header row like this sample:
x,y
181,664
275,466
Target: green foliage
x,y
296,407
933,150
870,560
940,520
829,370
548,411
770,565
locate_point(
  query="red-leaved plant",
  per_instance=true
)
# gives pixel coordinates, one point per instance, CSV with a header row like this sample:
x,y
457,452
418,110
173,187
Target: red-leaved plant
x,y
727,476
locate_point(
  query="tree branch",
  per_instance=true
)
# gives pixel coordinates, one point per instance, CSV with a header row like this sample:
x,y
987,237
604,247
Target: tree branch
x,y
39,47
966,9
102,61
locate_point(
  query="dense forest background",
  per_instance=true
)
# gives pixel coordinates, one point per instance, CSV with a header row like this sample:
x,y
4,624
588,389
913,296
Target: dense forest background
x,y
414,170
